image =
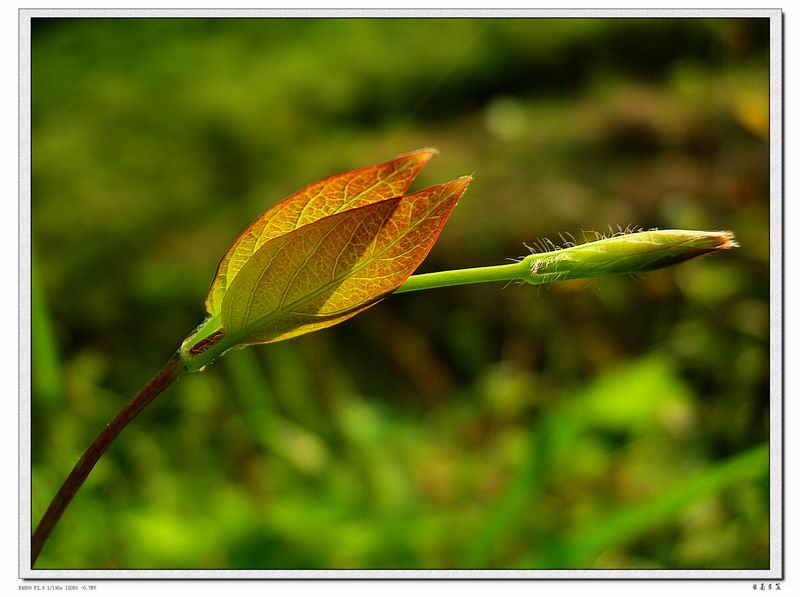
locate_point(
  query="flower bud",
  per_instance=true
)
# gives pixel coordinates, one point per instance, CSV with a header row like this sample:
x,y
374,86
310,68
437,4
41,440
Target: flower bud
x,y
624,254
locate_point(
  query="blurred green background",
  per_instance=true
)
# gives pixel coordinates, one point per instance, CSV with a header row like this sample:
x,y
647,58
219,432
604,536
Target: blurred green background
x,y
612,423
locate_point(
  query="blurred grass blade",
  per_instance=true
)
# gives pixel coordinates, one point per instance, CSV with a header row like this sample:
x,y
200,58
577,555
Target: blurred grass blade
x,y
46,369
627,398
584,546
326,197
334,268
294,444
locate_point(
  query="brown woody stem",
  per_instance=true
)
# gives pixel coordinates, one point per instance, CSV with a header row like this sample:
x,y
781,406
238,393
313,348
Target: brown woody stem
x,y
93,453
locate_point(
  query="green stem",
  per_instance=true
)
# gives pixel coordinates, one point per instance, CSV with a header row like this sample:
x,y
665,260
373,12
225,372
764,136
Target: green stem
x,y
473,275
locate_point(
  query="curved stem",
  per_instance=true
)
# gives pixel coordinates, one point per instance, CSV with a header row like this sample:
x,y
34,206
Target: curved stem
x,y
93,453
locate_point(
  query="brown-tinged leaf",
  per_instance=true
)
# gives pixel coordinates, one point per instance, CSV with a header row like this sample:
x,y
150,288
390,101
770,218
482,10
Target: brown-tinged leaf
x,y
326,197
331,269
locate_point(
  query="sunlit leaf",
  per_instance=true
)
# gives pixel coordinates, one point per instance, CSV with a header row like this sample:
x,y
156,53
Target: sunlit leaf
x,y
331,269
326,197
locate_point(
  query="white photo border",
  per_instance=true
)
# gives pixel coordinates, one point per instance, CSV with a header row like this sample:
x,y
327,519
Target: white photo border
x,y
776,460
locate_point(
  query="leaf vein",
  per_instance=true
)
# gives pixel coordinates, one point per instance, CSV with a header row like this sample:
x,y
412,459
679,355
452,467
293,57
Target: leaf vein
x,y
276,313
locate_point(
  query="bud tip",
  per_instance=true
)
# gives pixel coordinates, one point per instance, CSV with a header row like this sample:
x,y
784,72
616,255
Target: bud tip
x,y
728,240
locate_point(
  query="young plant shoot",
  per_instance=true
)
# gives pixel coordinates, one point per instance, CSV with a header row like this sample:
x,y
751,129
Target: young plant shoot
x,y
339,246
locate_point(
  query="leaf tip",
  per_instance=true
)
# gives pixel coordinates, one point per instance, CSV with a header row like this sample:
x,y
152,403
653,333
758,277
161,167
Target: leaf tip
x,y
462,182
422,155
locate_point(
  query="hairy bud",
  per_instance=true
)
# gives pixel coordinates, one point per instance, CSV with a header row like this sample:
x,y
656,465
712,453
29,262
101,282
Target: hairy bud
x,y
624,254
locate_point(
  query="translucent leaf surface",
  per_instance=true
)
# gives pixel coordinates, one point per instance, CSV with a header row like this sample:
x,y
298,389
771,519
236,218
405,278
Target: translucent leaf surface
x,y
335,194
333,268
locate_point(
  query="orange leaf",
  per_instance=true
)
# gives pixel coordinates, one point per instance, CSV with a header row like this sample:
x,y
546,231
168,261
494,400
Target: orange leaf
x,y
335,267
326,197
